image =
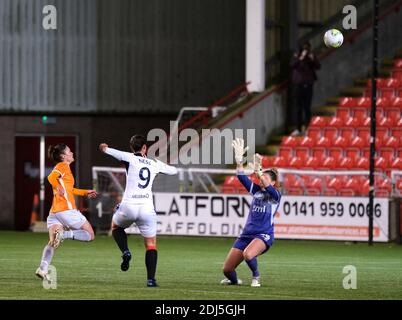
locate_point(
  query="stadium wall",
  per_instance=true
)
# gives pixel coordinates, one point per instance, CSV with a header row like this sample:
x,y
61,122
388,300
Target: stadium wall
x,y
123,55
114,130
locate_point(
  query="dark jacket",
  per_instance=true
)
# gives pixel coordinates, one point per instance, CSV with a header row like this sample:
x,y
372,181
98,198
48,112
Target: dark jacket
x,y
303,71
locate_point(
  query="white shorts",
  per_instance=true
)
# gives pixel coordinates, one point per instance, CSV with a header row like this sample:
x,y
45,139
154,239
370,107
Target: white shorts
x,y
71,219
143,215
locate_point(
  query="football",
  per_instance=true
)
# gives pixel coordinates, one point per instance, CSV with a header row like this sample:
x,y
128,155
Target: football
x,y
333,38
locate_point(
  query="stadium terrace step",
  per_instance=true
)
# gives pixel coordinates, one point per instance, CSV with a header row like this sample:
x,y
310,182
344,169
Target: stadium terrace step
x,y
324,111
382,72
353,91
360,82
263,149
276,139
333,101
272,149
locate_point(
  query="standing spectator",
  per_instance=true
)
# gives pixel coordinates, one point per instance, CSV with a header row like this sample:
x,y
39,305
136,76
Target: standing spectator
x,y
303,64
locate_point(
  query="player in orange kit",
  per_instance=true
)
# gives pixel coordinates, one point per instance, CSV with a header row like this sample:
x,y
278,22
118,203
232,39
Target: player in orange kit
x,y
63,213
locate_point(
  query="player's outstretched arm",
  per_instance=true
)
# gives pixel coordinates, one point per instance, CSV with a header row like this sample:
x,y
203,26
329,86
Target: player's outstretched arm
x,y
165,168
117,154
91,194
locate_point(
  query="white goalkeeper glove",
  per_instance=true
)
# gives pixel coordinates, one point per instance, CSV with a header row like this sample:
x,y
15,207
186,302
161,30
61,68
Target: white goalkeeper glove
x,y
256,166
239,150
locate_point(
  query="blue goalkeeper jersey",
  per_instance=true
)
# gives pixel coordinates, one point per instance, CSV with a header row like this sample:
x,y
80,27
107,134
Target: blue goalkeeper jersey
x,y
262,210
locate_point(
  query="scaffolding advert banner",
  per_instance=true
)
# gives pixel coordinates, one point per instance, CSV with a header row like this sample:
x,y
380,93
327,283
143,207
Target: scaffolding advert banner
x,y
298,217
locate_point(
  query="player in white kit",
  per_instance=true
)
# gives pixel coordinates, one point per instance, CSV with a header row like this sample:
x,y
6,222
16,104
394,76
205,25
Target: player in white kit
x,y
137,203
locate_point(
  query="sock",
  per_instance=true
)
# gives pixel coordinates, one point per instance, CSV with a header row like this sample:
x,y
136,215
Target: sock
x,y
120,237
47,256
253,265
232,276
151,258
80,235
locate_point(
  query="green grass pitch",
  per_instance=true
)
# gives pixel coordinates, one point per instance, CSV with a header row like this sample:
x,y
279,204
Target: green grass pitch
x,y
190,268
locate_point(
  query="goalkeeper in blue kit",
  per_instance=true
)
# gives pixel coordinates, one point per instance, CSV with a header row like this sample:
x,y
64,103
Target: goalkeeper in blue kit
x,y
258,233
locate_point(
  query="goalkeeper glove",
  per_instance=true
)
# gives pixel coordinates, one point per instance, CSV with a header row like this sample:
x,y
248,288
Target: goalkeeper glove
x,y
239,150
256,166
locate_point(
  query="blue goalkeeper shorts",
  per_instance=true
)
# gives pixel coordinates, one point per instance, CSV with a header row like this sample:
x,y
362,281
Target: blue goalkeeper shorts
x,y
243,241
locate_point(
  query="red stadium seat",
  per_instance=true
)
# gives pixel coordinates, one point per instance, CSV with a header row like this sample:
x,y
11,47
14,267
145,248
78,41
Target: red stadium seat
x,y
345,163
364,133
388,154
336,150
333,186
382,186
328,163
381,163
359,142
289,180
316,126
343,113
302,153
314,187
397,71
397,131
314,133
319,150
351,187
303,150
398,186
319,122
397,103
306,142
365,187
285,152
364,102
231,185
398,63
382,134
347,102
347,133
381,83
396,164
385,122
394,114
296,162
279,162
267,161
353,122
290,141
362,163
391,142
323,142
311,163
335,122
293,185
352,153
332,129
383,102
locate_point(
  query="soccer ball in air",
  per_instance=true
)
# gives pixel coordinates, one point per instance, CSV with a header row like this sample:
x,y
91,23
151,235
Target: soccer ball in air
x,y
333,38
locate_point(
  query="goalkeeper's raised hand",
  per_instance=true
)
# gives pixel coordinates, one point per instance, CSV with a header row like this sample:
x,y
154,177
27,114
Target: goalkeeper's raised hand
x,y
239,150
256,166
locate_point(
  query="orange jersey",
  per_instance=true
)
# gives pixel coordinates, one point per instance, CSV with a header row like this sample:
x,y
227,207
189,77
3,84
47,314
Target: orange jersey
x,y
62,177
